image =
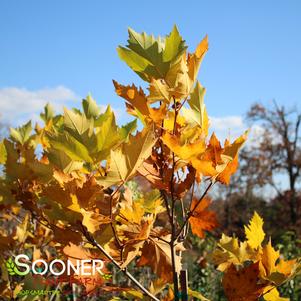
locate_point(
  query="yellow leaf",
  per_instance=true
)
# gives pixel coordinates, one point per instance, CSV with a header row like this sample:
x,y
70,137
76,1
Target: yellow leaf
x,y
194,61
183,149
169,121
158,90
268,258
128,158
286,267
137,104
22,233
254,231
134,227
199,113
211,159
217,162
74,206
93,220
230,250
273,295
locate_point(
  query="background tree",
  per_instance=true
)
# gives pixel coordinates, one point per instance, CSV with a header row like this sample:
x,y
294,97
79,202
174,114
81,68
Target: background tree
x,y
277,149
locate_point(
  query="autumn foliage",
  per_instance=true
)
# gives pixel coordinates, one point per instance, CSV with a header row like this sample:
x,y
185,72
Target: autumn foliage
x,y
65,189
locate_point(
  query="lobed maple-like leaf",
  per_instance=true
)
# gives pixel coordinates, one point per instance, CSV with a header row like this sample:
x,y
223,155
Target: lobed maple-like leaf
x,y
198,111
235,258
156,254
202,219
217,162
151,57
243,284
254,231
125,160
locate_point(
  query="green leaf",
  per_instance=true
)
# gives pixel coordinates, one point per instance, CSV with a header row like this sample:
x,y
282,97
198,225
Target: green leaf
x,y
77,123
43,172
3,153
127,129
48,113
196,103
107,134
134,61
21,134
174,45
73,148
152,57
144,55
90,107
61,160
146,46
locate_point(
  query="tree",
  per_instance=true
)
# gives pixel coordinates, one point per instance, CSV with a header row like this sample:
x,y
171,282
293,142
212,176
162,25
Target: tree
x,y
78,190
277,149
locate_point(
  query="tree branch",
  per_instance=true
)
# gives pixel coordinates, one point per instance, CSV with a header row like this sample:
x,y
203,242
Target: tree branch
x,y
173,224
91,239
190,213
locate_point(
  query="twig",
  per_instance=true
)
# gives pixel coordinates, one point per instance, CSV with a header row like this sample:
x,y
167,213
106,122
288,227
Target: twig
x,y
111,215
162,192
162,239
190,213
173,224
186,227
91,239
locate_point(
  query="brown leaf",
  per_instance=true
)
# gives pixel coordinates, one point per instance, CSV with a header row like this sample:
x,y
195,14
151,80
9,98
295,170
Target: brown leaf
x,y
89,193
64,236
243,284
157,254
149,171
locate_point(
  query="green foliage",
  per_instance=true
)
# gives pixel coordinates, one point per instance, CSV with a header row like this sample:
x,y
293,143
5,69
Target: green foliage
x,y
21,134
152,57
290,246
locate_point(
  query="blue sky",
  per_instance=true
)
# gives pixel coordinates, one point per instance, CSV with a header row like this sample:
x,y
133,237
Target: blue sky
x,y
61,50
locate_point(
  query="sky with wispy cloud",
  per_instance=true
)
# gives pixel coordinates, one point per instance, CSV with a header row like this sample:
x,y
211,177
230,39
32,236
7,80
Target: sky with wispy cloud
x,y
59,51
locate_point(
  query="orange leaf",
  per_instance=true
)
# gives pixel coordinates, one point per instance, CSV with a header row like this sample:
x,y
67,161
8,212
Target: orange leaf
x,y
136,99
202,219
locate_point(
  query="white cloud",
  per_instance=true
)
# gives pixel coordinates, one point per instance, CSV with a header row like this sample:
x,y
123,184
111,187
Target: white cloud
x,y
227,127
18,105
227,122
232,127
